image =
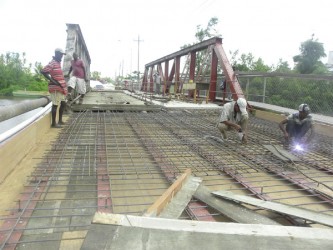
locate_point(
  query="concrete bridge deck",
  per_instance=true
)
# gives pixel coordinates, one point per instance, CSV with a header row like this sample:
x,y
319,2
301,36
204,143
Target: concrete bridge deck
x,y
114,101
120,161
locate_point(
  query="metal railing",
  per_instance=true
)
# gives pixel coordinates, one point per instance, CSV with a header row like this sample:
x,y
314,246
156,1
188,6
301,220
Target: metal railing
x,y
284,90
290,92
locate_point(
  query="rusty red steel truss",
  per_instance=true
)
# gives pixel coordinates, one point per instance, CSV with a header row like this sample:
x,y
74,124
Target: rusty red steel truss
x,y
212,55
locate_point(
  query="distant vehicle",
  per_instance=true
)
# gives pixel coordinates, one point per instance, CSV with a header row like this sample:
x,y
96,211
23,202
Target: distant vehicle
x,y
98,87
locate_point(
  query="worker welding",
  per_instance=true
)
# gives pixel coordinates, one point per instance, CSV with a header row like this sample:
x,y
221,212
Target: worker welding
x,y
298,129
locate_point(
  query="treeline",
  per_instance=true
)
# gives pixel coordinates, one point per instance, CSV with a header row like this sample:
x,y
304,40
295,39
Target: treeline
x,y
289,92
15,74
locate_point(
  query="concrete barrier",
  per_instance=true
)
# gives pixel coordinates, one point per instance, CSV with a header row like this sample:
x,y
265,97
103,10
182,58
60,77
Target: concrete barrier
x,y
17,143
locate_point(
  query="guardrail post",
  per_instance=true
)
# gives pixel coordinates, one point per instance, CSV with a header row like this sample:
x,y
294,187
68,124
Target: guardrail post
x,y
247,88
264,94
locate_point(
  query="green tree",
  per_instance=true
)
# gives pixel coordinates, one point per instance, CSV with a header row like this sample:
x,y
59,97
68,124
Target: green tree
x,y
247,62
95,75
208,32
203,34
282,67
132,77
308,61
15,74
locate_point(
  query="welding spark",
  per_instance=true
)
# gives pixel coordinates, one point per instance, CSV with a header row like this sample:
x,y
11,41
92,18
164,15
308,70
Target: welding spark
x,y
298,147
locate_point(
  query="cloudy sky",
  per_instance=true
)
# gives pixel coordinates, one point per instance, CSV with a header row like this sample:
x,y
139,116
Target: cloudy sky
x,y
268,29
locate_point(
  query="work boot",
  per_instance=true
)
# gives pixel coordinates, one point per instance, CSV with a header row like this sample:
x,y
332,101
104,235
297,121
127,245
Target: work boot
x,y
61,123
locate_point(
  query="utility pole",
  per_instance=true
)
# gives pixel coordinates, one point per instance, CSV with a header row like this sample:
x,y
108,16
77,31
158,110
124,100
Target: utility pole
x,y
138,57
122,68
131,62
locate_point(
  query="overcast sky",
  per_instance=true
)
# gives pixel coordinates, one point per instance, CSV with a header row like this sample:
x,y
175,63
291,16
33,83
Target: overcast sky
x,y
267,29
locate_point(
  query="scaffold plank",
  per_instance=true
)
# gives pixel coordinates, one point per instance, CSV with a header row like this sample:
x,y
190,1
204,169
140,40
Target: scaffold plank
x,y
168,195
116,231
234,211
178,204
278,207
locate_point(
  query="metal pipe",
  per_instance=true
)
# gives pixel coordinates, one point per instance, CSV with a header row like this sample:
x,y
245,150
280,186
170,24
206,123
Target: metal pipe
x,y
6,135
7,112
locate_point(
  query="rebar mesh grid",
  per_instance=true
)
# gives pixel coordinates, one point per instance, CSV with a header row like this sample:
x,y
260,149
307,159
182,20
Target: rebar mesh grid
x,y
121,162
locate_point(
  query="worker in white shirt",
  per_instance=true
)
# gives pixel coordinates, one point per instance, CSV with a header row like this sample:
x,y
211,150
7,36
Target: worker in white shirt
x,y
234,116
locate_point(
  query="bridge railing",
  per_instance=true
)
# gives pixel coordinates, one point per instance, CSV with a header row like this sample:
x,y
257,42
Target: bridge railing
x,y
284,90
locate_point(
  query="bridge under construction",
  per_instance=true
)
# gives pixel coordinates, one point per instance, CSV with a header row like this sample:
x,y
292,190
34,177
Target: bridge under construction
x,y
121,162
141,170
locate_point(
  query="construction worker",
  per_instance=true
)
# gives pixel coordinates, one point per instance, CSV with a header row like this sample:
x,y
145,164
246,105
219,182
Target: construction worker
x,y
78,78
57,86
297,125
157,81
234,116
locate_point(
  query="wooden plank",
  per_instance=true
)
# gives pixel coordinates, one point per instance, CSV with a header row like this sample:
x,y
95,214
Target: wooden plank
x,y
177,205
208,227
281,153
113,231
162,201
324,219
230,209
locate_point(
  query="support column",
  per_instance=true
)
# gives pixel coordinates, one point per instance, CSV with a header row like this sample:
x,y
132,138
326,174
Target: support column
x,y
213,77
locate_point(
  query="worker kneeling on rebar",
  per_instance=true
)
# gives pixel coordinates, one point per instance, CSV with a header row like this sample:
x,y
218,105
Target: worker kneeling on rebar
x,y
296,126
234,116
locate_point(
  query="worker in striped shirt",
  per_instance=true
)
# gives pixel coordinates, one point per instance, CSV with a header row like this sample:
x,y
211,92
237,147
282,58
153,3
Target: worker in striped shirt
x,y
57,86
